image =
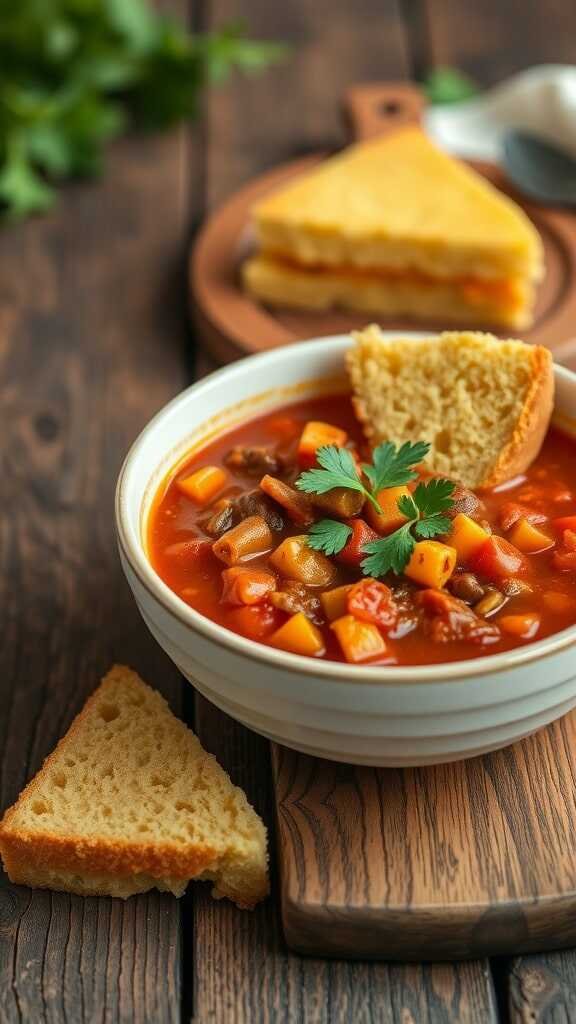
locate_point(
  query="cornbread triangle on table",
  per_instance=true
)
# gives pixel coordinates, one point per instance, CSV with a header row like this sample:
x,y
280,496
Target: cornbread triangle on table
x,y
395,226
483,405
129,801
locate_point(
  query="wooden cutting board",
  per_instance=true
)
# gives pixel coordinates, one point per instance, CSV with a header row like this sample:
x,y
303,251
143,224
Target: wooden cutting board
x,y
455,861
232,324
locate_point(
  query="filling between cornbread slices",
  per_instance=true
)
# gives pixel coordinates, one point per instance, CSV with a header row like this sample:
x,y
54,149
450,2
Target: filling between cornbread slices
x,y
282,280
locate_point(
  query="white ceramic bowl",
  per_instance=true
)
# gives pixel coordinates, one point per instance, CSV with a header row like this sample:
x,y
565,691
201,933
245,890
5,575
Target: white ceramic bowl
x,y
363,715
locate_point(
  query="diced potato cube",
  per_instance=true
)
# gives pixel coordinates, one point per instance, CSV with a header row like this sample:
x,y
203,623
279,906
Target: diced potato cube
x,y
431,564
334,602
528,538
466,536
391,517
314,436
294,559
299,636
204,484
359,641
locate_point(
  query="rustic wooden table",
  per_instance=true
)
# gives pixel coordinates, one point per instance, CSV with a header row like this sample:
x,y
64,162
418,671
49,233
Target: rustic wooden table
x,y
94,339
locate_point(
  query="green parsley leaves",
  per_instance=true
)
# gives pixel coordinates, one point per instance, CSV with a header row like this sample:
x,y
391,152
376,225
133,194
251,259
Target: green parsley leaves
x,y
329,536
390,467
74,75
424,509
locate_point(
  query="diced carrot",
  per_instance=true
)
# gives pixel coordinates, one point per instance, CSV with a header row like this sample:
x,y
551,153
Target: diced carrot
x,y
528,538
564,560
391,518
299,636
246,586
372,601
204,484
524,626
359,641
334,602
352,554
558,602
569,538
432,563
467,536
498,559
255,621
315,435
565,523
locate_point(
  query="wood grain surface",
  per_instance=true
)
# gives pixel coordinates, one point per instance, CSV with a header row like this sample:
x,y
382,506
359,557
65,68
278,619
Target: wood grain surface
x,y
91,345
92,342
467,859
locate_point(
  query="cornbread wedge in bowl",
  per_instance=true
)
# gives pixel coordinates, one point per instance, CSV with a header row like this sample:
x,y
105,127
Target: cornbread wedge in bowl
x,y
129,801
395,226
482,404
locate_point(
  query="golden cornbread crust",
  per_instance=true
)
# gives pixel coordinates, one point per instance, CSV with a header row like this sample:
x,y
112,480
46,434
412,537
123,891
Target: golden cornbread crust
x,y
483,405
400,202
129,800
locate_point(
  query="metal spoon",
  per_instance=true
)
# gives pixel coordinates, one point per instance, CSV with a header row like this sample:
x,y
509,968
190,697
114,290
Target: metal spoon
x,y
538,169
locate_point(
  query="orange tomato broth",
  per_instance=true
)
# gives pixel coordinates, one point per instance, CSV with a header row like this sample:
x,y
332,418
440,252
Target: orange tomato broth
x,y
548,486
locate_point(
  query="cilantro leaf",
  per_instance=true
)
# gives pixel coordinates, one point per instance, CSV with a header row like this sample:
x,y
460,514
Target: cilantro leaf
x,y
392,467
338,469
432,527
407,506
434,496
329,536
390,554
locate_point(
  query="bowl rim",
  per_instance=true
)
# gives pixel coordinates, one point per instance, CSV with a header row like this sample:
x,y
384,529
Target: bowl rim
x,y
251,650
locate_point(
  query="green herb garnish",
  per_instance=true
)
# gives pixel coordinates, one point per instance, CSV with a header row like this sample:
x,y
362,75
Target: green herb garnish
x,y
391,467
76,73
424,509
329,536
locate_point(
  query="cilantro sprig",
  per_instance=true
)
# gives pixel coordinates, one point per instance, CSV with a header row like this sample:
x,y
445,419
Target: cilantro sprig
x,y
390,467
424,509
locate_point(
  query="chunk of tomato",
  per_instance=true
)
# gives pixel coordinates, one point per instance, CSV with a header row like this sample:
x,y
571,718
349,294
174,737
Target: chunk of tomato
x,y
372,601
498,559
255,621
352,554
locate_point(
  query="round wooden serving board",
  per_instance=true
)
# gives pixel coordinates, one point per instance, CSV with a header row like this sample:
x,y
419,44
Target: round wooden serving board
x,y
232,324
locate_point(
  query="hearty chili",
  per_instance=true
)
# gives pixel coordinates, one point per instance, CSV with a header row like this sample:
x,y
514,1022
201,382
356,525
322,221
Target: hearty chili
x,y
230,533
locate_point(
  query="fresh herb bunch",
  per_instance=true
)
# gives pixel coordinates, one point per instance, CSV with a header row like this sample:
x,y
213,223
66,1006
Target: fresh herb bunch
x,y
75,73
391,467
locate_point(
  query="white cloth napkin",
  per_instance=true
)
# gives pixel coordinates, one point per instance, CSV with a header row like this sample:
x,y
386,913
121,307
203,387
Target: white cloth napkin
x,y
541,100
